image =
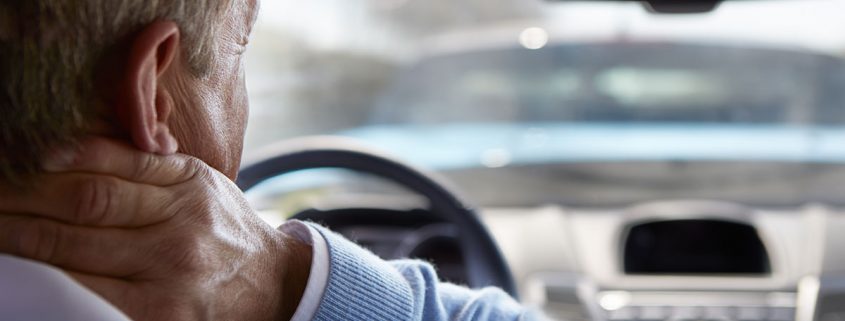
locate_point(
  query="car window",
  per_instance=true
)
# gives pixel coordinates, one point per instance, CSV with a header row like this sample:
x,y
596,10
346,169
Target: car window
x,y
566,102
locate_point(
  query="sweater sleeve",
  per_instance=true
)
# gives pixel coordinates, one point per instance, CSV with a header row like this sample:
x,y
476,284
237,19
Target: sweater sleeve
x,y
363,287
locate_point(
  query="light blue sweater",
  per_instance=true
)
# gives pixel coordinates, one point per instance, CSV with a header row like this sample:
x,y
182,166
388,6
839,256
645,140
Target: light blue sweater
x,y
364,287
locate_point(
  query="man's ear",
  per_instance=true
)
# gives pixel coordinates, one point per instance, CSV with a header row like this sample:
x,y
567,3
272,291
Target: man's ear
x,y
143,105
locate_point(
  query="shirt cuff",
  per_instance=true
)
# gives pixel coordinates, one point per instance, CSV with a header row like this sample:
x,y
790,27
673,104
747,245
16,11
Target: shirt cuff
x,y
319,276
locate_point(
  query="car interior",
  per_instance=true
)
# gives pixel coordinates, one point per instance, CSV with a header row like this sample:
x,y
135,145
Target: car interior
x,y
598,160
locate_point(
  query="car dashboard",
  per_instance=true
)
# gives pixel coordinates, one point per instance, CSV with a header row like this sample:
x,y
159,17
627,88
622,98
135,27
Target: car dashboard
x,y
669,259
676,260
666,260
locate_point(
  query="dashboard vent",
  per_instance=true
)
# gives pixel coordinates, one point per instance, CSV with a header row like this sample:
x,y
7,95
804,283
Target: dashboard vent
x,y
727,306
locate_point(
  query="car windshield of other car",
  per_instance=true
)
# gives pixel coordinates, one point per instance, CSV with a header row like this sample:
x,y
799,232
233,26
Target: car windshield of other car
x,y
524,102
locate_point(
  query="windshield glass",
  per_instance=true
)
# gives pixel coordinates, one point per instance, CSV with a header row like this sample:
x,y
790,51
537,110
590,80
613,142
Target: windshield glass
x,y
527,102
618,82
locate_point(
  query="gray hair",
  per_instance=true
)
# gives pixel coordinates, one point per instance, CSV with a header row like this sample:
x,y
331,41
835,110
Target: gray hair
x,y
50,52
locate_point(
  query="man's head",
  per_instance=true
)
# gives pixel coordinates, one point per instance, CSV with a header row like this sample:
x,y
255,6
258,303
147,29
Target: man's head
x,y
163,75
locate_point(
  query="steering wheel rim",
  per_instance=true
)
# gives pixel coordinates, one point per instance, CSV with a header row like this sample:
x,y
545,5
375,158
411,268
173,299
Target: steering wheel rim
x,y
485,263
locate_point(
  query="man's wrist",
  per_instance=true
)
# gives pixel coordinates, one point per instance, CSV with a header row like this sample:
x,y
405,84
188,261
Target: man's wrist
x,y
297,268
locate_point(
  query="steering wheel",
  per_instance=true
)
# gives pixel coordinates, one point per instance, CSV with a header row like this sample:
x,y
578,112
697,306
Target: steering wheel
x,y
484,262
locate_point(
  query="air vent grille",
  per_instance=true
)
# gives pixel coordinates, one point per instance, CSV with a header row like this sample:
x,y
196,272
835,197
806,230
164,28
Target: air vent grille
x,y
728,306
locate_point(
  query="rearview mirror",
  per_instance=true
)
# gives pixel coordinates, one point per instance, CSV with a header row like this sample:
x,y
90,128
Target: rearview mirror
x,y
681,6
675,6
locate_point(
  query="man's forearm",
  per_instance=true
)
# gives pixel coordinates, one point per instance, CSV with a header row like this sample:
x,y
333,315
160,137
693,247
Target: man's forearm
x,y
362,287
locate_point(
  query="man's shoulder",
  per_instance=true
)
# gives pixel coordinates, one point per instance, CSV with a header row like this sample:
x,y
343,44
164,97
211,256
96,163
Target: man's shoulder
x,y
36,291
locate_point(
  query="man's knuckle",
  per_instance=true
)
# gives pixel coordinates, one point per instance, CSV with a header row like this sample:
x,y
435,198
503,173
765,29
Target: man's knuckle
x,y
200,214
98,198
39,240
146,166
94,198
191,263
183,254
193,163
197,169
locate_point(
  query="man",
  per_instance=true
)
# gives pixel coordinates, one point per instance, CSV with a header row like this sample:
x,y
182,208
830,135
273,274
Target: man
x,y
121,133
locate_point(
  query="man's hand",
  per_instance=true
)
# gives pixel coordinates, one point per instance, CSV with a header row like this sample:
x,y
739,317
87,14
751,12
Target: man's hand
x,y
160,237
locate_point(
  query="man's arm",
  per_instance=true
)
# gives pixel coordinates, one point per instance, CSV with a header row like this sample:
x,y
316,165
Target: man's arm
x,y
360,286
166,237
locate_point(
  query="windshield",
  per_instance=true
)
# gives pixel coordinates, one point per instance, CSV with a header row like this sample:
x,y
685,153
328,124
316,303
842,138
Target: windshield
x,y
524,102
618,82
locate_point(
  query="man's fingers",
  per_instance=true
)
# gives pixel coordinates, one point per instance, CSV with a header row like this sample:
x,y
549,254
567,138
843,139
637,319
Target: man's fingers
x,y
93,200
106,252
109,157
